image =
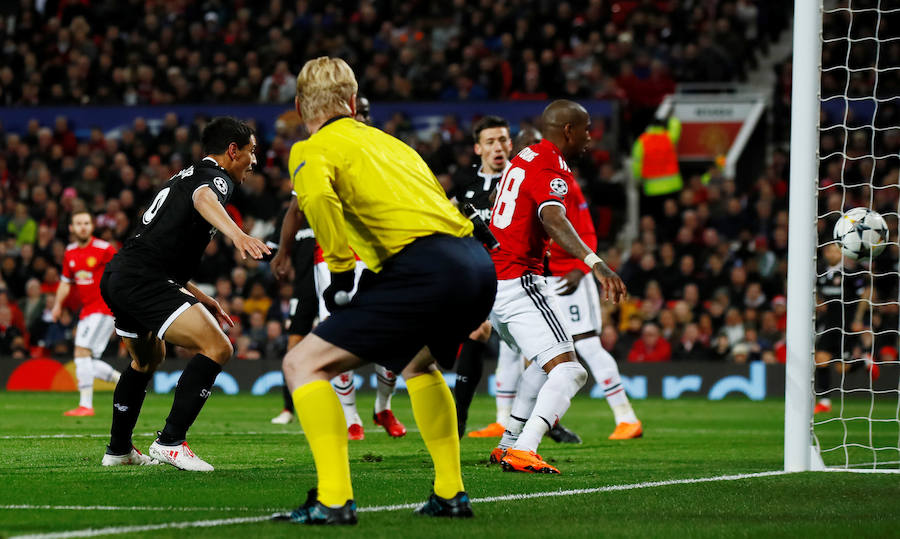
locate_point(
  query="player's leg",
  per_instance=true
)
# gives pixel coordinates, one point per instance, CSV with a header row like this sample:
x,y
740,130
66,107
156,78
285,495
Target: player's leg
x,y
382,414
195,329
308,367
100,341
435,413
84,366
822,377
530,384
585,324
146,352
469,369
510,366
345,388
287,410
532,319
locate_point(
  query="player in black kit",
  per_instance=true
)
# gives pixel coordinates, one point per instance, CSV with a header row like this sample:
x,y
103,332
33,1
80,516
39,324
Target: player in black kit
x,y
146,285
842,312
475,186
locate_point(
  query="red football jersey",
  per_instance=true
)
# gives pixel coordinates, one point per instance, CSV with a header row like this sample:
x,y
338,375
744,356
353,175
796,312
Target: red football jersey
x,y
579,215
83,267
538,176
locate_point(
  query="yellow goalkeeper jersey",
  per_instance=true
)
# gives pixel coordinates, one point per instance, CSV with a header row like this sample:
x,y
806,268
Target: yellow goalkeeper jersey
x,y
363,189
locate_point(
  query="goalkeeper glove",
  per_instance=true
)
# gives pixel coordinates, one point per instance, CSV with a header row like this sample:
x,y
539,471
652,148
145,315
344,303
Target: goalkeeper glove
x,y
337,295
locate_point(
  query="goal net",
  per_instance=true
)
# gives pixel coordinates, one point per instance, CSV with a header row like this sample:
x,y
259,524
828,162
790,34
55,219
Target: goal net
x,y
852,406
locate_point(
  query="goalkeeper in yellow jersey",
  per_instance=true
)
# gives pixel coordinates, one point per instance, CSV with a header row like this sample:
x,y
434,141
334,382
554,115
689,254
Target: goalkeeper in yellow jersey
x,y
431,283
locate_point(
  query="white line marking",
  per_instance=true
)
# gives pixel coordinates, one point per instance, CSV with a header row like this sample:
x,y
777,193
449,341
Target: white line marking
x,y
116,530
133,508
153,434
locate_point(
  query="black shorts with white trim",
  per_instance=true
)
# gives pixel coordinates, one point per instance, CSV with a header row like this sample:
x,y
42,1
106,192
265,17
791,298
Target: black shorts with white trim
x,y
143,304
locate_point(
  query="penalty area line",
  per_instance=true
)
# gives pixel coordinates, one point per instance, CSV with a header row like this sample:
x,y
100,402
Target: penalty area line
x,y
117,530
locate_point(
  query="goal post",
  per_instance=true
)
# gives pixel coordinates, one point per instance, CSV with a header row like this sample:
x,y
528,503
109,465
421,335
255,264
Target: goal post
x,y
802,238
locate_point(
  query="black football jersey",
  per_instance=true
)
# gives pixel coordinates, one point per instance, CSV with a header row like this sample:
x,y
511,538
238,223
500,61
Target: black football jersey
x,y
172,235
473,187
840,292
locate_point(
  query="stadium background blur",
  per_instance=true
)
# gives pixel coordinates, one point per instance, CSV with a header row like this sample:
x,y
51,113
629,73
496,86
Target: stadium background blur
x,y
710,273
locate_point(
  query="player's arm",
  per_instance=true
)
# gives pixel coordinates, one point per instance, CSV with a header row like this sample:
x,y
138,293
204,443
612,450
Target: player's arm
x,y
208,205
209,303
62,292
281,263
560,230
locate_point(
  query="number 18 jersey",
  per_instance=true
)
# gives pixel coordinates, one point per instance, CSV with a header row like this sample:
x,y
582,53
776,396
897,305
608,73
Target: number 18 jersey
x,y
537,177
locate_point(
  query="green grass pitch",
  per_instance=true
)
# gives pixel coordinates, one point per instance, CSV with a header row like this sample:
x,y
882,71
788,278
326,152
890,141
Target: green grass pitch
x,y
47,484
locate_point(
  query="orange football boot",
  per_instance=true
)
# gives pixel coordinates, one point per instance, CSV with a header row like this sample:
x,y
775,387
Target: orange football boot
x,y
517,460
81,411
627,431
494,430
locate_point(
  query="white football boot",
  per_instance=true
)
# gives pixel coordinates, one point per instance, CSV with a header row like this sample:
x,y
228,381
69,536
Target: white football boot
x,y
179,456
283,418
135,458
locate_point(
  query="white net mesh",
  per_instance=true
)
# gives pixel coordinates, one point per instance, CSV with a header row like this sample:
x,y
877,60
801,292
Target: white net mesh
x,y
858,302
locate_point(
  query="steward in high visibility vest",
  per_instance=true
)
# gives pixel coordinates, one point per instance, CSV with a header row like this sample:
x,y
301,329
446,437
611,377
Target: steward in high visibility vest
x,y
654,161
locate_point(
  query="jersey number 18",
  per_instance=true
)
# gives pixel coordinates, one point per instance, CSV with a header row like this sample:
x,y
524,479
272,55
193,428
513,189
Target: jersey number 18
x,y
505,205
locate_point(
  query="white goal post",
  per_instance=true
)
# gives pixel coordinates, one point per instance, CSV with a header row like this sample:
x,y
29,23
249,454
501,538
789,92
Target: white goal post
x,y
846,58
798,398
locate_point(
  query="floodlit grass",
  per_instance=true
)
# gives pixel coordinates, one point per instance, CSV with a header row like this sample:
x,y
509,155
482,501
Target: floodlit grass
x,y
262,468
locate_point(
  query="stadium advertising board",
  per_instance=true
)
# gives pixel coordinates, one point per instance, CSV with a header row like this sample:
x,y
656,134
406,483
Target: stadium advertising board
x,y
755,381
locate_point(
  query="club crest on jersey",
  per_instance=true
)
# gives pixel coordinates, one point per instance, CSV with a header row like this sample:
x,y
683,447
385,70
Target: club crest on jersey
x,y
559,186
221,185
91,262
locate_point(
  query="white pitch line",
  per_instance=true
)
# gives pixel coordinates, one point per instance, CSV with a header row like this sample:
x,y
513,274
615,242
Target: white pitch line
x,y
116,530
133,508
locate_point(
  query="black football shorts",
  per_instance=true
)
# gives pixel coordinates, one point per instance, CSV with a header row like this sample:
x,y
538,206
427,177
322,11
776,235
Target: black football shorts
x,y
143,303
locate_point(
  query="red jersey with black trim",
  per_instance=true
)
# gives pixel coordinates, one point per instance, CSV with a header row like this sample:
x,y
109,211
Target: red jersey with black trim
x,y
83,267
537,177
578,213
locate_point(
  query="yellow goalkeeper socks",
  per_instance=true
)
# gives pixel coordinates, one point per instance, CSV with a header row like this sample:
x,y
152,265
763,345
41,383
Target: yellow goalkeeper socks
x,y
435,415
322,419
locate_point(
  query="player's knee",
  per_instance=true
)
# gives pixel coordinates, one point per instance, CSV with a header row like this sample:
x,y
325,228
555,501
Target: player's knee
x,y
221,351
573,371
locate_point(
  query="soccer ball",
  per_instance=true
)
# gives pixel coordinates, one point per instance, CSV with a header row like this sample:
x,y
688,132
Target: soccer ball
x,y
861,233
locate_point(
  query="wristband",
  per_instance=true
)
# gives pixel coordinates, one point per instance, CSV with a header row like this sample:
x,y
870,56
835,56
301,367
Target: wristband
x,y
591,259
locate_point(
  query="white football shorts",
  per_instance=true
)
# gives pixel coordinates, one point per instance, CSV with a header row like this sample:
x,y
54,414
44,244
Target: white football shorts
x,y
93,332
322,277
580,310
526,316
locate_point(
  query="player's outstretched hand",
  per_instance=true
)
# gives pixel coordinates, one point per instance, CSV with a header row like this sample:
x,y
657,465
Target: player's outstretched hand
x,y
613,287
569,283
248,245
56,312
281,265
217,311
337,295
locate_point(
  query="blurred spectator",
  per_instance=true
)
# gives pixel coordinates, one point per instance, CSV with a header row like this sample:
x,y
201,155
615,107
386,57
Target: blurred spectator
x,y
651,347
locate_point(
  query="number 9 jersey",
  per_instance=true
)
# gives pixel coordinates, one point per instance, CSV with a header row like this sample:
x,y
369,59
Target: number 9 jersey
x,y
537,177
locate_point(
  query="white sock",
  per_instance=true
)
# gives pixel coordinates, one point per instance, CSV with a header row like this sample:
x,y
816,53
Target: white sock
x,y
104,371
563,382
530,385
346,392
84,373
386,383
509,370
606,373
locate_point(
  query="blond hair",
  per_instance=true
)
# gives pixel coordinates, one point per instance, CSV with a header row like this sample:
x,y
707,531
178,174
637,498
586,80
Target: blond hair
x,y
324,88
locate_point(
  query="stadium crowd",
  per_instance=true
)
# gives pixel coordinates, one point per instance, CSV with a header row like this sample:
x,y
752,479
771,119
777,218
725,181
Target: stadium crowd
x,y
707,280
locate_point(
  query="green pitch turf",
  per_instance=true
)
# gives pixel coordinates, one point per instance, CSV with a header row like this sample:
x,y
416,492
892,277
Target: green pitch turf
x,y
261,468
